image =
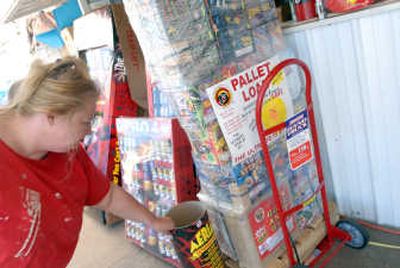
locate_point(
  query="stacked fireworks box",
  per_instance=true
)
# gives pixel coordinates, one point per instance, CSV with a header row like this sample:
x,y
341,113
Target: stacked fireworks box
x,y
186,44
160,103
210,58
157,169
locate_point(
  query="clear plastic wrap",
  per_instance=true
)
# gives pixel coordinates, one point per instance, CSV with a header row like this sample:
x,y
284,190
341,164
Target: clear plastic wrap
x,y
253,235
291,148
190,46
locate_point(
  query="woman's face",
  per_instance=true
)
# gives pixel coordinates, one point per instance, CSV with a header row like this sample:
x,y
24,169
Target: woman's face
x,y
68,130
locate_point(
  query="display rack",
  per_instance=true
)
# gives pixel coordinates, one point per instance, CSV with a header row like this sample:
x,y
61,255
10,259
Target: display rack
x,y
157,170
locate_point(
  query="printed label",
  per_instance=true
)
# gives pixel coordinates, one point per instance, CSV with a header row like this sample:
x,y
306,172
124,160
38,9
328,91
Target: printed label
x,y
298,140
264,222
140,128
197,246
234,103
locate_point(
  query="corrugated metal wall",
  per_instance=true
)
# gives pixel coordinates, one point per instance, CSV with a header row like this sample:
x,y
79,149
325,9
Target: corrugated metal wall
x,y
356,71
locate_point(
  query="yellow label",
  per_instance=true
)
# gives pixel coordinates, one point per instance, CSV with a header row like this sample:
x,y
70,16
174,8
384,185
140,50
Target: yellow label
x,y
202,241
117,163
309,201
278,79
273,112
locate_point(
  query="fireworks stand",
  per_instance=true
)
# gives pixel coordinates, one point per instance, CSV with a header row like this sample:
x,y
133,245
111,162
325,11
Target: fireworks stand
x,y
244,115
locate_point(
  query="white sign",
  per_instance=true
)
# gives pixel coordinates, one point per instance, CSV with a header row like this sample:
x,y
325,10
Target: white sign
x,y
234,103
298,140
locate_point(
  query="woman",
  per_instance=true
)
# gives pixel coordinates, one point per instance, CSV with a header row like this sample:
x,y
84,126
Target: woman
x,y
46,177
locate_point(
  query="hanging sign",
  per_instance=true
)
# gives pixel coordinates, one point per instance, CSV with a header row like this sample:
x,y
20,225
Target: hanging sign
x,y
234,103
298,140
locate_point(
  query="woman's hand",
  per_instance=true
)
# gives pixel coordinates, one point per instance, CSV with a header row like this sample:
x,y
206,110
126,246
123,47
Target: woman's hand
x,y
122,204
162,224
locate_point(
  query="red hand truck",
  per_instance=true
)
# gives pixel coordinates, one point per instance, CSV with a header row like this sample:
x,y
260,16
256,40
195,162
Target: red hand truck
x,y
345,232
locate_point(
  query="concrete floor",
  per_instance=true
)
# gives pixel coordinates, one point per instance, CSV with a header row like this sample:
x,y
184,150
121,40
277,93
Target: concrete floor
x,y
103,246
106,247
371,256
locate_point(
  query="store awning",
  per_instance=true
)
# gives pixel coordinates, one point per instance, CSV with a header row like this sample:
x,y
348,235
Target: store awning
x,y
21,8
14,9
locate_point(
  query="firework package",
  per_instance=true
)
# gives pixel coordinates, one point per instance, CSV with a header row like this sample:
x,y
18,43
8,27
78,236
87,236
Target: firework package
x,y
157,170
160,103
194,238
192,46
255,234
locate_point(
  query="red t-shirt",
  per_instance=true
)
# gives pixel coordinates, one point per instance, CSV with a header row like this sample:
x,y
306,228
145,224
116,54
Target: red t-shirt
x,y
41,204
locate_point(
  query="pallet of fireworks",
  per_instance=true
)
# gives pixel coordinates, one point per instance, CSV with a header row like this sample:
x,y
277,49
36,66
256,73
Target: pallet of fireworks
x,y
191,47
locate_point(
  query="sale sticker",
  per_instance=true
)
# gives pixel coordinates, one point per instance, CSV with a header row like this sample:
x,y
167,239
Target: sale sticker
x,y
298,140
265,226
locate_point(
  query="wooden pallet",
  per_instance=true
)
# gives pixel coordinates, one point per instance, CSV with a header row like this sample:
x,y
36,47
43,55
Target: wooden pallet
x,y
306,244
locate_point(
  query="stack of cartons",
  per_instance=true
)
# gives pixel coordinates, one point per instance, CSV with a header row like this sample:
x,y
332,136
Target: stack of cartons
x,y
211,57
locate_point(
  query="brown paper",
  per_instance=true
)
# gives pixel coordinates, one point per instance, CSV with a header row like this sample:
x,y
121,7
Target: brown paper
x,y
133,56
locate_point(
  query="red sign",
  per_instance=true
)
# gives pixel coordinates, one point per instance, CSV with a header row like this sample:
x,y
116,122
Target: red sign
x,y
264,222
300,155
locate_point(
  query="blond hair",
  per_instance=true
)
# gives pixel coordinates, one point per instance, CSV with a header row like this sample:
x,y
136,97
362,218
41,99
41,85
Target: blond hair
x,y
57,88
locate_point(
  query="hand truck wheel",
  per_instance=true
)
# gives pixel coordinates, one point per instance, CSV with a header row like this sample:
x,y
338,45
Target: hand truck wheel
x,y
359,235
